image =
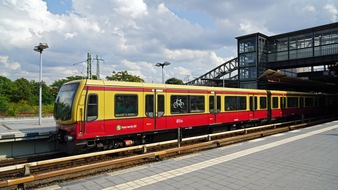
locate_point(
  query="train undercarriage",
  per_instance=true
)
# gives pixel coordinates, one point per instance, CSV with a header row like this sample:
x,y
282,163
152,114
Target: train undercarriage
x,y
114,142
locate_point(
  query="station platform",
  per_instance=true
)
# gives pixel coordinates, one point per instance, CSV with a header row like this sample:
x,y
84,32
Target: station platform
x,y
25,137
299,159
25,129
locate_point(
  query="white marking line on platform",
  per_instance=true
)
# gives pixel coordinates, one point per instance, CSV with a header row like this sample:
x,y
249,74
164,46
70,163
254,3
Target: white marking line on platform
x,y
294,131
194,167
53,187
257,140
278,135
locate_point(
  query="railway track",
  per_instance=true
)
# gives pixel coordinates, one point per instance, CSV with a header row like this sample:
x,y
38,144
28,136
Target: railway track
x,y
37,173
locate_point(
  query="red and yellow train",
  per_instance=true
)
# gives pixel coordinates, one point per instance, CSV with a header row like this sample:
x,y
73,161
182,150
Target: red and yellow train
x,y
92,114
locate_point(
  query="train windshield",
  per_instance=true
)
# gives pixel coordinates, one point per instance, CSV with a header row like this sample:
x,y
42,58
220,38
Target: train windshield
x,y
64,101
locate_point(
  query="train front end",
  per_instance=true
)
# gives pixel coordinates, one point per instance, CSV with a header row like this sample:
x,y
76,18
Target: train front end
x,y
65,115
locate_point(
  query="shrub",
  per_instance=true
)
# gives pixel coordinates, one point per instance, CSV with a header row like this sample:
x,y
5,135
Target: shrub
x,y
3,104
48,109
12,110
24,107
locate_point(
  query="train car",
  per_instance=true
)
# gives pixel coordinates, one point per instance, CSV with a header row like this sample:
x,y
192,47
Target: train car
x,y
97,114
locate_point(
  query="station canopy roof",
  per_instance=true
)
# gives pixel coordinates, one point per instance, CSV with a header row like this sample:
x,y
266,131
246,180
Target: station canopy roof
x,y
273,76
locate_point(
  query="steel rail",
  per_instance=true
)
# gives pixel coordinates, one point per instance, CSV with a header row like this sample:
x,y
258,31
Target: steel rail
x,y
138,147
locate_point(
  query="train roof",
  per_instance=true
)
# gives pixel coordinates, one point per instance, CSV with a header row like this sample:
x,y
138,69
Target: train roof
x,y
179,87
160,86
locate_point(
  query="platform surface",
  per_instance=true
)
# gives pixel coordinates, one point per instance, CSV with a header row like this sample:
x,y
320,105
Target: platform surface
x,y
14,129
300,159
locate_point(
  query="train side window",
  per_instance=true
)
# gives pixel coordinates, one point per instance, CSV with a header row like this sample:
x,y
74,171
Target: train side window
x,y
262,102
330,101
235,103
126,105
292,102
283,102
322,101
149,106
241,103
218,104
274,102
253,103
212,102
92,107
196,104
178,104
316,102
230,103
160,105
309,102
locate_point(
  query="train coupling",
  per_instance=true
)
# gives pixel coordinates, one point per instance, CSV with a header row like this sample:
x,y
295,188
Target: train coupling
x,y
68,138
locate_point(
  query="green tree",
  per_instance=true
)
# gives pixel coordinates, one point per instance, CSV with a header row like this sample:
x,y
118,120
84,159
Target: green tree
x,y
22,91
7,87
22,96
57,84
48,95
174,81
3,104
124,76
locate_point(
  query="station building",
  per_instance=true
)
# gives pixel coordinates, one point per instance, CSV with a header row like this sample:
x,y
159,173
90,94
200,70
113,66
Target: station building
x,y
303,60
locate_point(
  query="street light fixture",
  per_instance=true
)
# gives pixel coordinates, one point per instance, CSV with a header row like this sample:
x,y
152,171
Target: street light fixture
x,y
166,63
39,48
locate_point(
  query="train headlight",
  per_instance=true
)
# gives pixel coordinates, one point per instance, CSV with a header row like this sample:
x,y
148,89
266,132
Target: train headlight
x,y
68,138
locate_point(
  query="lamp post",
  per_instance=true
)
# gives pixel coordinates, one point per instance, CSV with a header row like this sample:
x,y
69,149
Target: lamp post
x,y
39,48
166,63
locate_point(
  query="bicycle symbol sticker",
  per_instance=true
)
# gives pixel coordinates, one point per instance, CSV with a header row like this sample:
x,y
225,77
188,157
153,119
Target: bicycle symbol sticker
x,y
178,103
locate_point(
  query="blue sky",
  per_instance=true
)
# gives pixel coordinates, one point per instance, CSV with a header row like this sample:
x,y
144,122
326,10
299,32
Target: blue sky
x,y
194,35
59,6
194,17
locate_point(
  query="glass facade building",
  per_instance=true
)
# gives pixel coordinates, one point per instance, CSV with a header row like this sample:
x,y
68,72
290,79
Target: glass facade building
x,y
317,43
252,59
311,47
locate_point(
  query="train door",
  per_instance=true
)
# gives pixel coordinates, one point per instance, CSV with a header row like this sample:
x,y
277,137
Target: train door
x,y
283,104
154,106
301,105
214,108
80,112
269,105
253,106
94,105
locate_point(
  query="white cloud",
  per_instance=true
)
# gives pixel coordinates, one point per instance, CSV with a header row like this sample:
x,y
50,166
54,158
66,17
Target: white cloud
x,y
134,35
331,8
69,35
134,8
250,26
310,8
4,61
5,74
24,21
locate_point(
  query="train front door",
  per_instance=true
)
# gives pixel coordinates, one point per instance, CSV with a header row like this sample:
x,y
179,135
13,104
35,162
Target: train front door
x,y
91,114
154,103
